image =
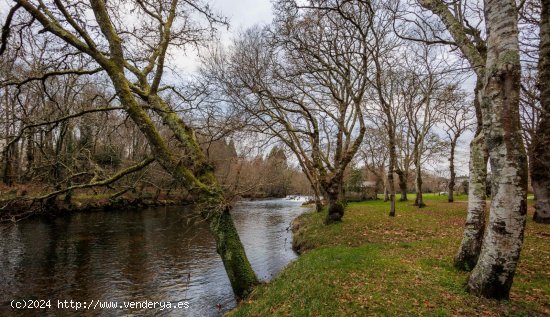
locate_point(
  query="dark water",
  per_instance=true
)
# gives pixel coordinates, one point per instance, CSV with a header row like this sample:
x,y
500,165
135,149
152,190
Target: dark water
x,y
156,254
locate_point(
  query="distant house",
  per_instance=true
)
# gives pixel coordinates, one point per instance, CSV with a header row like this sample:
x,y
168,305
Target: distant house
x,y
368,184
461,184
366,191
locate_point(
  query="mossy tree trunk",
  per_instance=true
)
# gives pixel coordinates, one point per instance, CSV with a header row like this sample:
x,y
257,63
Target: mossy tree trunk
x,y
317,198
336,201
198,176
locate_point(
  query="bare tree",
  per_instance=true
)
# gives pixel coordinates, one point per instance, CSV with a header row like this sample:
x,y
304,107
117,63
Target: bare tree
x,y
304,81
374,153
457,117
422,87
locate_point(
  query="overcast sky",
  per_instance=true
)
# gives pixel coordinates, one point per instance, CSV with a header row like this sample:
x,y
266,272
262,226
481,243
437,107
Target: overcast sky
x,y
242,14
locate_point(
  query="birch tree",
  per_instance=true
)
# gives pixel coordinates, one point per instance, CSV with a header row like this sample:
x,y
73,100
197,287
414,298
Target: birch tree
x,y
499,75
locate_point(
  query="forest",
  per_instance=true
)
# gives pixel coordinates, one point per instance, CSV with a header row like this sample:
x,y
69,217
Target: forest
x,y
384,114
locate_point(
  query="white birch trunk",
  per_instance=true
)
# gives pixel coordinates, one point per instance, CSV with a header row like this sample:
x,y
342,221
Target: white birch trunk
x,y
474,228
494,272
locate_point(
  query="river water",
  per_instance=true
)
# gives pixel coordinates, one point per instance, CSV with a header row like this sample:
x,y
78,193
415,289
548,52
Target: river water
x,y
154,255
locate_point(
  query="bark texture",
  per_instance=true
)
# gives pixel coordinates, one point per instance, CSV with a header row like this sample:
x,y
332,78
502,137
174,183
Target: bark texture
x,y
402,176
336,203
230,249
540,169
494,272
474,227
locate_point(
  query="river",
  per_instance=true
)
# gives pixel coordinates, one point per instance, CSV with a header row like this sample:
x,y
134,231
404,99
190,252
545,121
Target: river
x,y
151,255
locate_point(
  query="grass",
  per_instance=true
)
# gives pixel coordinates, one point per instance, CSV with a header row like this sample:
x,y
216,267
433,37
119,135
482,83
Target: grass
x,y
374,265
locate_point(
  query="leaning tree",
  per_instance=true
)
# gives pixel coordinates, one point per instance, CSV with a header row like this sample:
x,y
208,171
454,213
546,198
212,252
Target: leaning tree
x,y
130,42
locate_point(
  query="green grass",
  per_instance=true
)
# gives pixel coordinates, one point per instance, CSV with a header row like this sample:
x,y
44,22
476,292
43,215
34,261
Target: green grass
x,y
374,265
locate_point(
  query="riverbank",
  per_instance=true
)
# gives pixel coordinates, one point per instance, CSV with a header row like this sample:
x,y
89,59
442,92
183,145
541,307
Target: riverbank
x,y
23,208
374,265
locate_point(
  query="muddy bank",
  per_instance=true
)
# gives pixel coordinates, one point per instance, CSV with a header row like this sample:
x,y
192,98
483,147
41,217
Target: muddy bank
x,y
299,244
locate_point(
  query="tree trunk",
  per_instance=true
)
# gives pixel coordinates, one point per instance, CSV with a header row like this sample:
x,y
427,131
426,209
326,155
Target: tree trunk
x,y
7,157
228,244
540,176
195,174
336,203
494,272
474,228
7,168
58,165
29,154
230,248
402,184
419,201
386,193
391,170
16,159
378,187
318,201
453,173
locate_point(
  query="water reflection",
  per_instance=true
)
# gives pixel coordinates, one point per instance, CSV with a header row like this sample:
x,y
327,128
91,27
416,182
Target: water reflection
x,y
158,254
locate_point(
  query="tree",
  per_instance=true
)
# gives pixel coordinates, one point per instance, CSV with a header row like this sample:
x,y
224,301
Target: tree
x,y
422,90
133,57
375,156
385,89
277,173
457,118
304,81
500,73
464,25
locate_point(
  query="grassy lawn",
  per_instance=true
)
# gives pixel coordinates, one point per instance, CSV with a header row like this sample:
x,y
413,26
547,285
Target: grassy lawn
x,y
373,265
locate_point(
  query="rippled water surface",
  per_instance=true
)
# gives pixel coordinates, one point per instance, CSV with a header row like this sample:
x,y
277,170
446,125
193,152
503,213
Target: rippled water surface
x,y
156,254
